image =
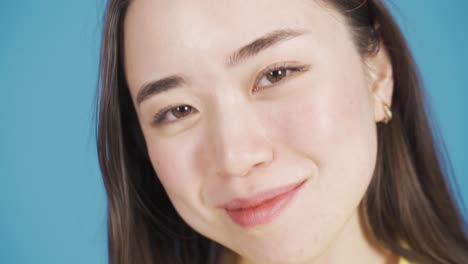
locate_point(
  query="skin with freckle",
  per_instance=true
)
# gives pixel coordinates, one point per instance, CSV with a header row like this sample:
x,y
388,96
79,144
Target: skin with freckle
x,y
317,124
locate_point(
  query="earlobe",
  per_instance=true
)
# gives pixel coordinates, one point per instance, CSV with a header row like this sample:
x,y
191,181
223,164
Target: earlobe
x,y
387,113
380,72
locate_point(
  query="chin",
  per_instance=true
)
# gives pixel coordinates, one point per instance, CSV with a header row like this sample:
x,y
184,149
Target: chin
x,y
282,257
284,252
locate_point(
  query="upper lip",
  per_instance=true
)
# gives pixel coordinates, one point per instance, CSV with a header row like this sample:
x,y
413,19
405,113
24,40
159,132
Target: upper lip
x,y
259,198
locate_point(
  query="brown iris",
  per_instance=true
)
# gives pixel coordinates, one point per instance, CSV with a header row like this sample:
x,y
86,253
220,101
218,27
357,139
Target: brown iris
x,y
182,110
276,75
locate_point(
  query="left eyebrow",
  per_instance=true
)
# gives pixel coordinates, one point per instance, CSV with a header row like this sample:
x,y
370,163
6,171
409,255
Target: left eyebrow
x,y
262,43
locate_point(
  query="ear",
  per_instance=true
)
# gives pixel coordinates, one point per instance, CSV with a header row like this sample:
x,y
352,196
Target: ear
x,y
380,73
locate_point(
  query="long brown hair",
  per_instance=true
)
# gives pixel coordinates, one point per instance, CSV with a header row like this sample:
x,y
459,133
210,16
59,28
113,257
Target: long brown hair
x,y
409,205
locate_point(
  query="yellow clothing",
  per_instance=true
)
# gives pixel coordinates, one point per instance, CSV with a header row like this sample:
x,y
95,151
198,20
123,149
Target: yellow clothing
x,y
403,261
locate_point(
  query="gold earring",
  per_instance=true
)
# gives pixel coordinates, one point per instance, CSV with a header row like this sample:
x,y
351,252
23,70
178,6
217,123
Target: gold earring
x,y
387,112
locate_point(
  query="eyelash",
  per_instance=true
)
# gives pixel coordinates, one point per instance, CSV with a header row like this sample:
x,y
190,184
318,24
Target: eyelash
x,y
160,117
291,69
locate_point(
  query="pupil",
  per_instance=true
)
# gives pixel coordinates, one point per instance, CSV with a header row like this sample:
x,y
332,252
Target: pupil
x,y
275,75
181,111
183,108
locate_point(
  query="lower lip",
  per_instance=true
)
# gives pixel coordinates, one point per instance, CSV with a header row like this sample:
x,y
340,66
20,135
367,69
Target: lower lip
x,y
264,212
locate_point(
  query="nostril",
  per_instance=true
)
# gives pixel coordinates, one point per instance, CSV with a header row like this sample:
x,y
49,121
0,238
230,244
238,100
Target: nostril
x,y
239,141
243,161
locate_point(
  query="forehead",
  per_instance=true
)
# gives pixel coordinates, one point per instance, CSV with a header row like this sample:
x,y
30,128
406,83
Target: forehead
x,y
212,20
174,35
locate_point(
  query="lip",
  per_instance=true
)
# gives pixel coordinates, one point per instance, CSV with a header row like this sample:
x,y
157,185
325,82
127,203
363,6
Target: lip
x,y
262,207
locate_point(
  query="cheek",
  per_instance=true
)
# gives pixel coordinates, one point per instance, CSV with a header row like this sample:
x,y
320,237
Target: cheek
x,y
178,171
172,165
331,119
332,124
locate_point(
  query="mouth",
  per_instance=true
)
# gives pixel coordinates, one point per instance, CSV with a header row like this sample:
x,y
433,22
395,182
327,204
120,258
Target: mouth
x,y
263,207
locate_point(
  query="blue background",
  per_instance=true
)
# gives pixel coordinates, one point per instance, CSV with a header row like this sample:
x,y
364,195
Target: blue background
x,y
52,200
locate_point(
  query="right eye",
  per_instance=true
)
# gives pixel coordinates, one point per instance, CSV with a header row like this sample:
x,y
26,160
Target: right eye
x,y
171,113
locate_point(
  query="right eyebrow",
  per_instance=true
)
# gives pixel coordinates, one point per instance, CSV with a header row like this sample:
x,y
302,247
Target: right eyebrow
x,y
158,86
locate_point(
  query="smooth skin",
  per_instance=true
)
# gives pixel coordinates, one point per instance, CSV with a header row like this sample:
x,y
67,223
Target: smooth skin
x,y
303,108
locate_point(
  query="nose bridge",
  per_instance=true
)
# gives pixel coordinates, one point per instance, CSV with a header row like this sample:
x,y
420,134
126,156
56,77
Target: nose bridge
x,y
239,139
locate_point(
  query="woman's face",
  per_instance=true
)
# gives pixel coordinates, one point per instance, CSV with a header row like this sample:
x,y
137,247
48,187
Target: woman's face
x,y
258,118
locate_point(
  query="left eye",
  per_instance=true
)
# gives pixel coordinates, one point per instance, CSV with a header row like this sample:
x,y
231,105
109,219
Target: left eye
x,y
275,75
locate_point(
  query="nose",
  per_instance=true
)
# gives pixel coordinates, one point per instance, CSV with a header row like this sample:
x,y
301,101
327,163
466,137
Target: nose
x,y
239,140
